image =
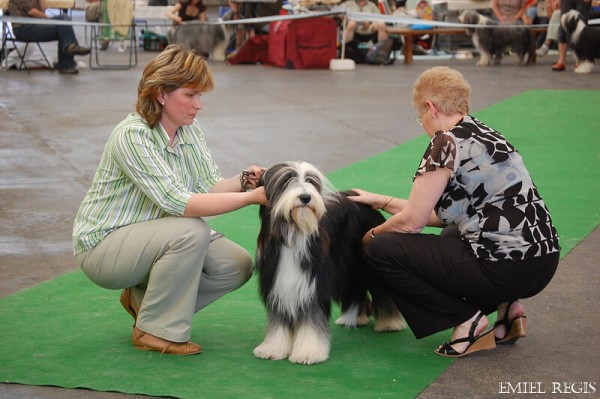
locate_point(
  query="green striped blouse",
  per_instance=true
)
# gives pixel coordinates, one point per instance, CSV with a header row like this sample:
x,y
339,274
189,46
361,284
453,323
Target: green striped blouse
x,y
141,178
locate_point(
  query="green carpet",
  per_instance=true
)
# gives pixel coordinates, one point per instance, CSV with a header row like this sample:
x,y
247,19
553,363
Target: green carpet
x,y
69,333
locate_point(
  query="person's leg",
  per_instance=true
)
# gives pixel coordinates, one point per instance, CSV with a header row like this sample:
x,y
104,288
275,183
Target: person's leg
x,y
380,28
437,284
551,34
67,44
50,33
529,15
162,260
433,280
350,30
227,266
565,7
553,26
522,279
562,57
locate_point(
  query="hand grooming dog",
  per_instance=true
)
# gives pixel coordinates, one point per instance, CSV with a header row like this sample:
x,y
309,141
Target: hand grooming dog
x,y
208,39
585,40
309,253
492,40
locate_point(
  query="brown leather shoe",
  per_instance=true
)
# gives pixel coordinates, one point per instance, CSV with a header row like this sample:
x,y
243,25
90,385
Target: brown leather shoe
x,y
129,303
171,348
75,49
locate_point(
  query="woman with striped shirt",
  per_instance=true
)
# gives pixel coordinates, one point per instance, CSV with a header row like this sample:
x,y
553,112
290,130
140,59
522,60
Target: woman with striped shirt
x,y
140,227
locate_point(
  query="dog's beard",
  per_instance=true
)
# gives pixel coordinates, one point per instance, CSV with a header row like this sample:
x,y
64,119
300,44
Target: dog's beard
x,y
306,219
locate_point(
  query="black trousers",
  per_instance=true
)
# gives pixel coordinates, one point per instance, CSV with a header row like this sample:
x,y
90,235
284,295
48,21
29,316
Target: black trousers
x,y
438,284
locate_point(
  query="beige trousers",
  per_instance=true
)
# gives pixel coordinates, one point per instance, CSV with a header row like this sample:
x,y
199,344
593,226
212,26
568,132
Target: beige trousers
x,y
173,268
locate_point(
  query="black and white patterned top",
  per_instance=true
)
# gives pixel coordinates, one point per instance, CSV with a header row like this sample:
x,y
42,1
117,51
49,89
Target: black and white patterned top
x,y
490,197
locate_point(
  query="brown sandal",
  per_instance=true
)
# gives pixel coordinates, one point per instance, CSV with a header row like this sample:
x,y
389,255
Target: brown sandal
x,y
129,303
483,341
172,348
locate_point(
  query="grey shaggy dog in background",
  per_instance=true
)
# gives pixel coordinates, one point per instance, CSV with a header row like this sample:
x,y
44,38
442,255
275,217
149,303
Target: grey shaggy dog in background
x,y
584,39
208,39
492,39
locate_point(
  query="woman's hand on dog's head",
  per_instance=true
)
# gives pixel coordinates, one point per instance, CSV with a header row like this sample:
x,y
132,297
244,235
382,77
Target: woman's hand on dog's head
x,y
365,197
259,196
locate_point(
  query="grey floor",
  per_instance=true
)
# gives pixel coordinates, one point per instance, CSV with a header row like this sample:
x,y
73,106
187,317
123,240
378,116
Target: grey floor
x,y
53,128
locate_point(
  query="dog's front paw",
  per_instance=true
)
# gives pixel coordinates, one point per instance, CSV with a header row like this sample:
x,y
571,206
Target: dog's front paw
x,y
308,354
310,346
271,352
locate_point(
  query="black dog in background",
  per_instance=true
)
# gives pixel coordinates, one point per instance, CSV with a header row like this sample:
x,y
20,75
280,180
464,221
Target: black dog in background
x,y
584,39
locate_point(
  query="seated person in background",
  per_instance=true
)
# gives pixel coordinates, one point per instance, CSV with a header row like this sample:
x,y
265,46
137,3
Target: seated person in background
x,y
530,12
509,11
239,31
364,29
553,11
246,10
67,42
93,13
188,10
421,9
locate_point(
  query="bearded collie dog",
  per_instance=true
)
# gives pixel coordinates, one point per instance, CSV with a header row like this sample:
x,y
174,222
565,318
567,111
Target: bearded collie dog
x,y
493,39
583,39
208,39
309,254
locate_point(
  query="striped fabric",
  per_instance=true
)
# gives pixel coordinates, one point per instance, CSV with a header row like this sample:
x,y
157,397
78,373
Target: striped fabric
x,y
141,178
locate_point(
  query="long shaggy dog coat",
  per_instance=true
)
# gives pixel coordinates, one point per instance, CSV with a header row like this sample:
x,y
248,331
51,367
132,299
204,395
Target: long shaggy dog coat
x,y
585,40
208,39
492,39
309,254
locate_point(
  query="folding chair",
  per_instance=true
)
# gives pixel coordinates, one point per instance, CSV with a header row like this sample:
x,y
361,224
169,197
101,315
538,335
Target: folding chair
x,y
8,36
118,31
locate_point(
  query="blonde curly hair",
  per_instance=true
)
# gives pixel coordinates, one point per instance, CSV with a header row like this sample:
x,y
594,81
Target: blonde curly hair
x,y
176,66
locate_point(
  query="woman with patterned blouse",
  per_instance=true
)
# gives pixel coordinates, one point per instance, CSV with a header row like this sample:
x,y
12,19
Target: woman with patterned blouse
x,y
140,227
498,242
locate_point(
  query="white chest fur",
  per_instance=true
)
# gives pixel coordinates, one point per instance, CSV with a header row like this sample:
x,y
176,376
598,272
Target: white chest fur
x,y
293,288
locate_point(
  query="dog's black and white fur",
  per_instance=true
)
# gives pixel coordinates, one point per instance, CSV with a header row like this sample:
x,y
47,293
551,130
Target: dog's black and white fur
x,y
309,254
207,38
583,39
492,39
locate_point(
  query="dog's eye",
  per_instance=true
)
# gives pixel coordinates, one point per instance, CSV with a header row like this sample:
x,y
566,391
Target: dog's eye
x,y
288,176
314,180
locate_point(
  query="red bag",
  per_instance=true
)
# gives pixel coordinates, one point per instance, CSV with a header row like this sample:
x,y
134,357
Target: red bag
x,y
302,43
254,50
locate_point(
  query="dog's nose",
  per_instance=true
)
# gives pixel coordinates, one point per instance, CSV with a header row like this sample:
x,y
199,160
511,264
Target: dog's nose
x,y
305,198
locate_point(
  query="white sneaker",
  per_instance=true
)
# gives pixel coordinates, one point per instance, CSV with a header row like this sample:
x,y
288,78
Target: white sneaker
x,y
542,51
